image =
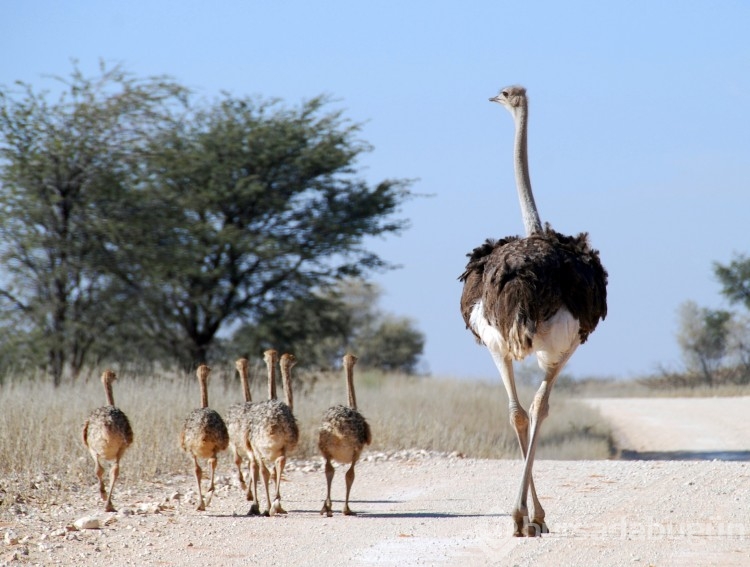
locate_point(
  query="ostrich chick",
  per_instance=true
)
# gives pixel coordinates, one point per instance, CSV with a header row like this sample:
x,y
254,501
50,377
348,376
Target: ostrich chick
x,y
107,435
342,436
238,425
273,432
204,435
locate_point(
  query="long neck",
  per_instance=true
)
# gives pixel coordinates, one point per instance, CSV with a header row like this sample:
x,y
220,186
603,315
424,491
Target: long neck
x,y
245,384
286,377
204,391
529,212
271,381
349,368
108,392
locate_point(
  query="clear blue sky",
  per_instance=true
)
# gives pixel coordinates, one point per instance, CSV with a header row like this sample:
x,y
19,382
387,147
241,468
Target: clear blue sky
x,y
639,131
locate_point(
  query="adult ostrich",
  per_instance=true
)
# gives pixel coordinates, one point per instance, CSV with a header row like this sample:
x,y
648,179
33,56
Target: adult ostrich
x,y
540,294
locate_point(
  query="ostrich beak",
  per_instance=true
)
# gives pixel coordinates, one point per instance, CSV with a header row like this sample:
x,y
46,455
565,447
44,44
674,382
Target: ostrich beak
x,y
495,98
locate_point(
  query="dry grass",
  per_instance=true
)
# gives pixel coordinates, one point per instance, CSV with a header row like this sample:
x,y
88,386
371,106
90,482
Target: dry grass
x,y
464,416
40,426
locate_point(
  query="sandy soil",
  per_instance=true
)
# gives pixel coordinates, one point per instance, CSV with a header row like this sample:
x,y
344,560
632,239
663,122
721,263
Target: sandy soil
x,y
417,508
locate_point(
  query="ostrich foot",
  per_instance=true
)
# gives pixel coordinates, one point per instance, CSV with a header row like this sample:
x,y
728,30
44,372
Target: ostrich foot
x,y
254,510
201,506
521,520
541,524
536,528
526,528
109,507
348,511
276,508
326,509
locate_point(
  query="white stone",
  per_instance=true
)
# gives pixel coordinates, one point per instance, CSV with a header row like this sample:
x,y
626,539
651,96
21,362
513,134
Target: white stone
x,y
88,523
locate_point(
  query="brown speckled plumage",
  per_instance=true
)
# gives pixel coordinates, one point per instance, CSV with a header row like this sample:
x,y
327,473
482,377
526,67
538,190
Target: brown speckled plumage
x,y
107,435
273,433
343,434
203,436
238,419
346,428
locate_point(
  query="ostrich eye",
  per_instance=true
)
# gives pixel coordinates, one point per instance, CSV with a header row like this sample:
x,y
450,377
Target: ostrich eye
x,y
505,94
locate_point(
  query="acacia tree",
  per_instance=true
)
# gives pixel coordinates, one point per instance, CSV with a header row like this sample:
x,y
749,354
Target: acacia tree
x,y
738,349
703,338
735,279
262,206
66,174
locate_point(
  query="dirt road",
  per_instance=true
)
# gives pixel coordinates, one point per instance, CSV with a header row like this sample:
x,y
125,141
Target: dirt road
x,y
680,427
414,509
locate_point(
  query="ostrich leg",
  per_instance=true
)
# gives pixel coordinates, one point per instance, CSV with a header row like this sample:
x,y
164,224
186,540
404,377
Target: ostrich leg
x,y
539,411
519,419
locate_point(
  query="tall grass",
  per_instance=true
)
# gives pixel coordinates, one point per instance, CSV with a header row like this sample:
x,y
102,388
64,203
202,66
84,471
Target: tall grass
x,y
40,426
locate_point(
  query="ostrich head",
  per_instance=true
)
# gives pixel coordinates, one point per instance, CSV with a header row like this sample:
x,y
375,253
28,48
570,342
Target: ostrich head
x,y
513,98
288,360
241,364
108,376
270,356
